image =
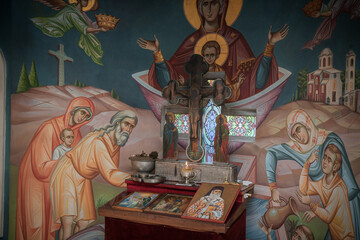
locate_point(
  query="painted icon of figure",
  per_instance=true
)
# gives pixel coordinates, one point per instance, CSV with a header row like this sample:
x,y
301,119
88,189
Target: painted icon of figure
x,y
221,139
34,216
305,138
97,153
332,191
170,137
67,138
73,16
210,206
330,13
258,73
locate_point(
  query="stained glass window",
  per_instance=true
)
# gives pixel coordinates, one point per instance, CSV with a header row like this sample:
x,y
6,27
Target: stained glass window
x,y
182,123
241,126
211,111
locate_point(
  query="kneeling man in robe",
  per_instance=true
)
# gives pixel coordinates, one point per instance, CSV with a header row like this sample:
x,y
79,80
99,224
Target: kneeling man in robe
x,y
97,153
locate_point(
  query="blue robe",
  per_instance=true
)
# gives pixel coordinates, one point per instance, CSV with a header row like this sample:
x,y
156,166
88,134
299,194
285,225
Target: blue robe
x,y
285,152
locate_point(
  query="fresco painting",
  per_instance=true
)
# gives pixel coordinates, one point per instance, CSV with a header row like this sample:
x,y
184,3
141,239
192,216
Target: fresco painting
x,y
75,122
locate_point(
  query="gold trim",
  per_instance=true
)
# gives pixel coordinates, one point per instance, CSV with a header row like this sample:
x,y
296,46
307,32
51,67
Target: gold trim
x,y
269,50
91,4
158,57
224,48
192,15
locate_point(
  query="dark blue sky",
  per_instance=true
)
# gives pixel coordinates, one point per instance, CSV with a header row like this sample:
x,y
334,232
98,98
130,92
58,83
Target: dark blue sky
x,y
22,42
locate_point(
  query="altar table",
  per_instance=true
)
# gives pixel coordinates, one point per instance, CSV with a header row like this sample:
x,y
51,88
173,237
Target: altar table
x,y
122,224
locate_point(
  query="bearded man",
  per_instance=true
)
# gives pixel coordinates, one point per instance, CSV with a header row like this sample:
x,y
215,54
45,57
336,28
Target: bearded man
x,y
210,206
33,206
97,153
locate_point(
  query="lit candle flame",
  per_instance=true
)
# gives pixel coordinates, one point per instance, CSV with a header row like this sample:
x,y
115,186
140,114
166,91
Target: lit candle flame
x,y
186,165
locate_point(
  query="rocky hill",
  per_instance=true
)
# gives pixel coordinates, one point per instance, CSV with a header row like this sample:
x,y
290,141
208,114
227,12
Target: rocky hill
x,y
30,109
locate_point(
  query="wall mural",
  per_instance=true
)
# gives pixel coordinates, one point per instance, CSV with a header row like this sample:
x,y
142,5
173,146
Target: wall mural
x,y
291,123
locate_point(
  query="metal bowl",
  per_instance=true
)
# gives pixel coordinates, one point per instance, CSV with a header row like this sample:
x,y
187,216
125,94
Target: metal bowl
x,y
142,164
154,179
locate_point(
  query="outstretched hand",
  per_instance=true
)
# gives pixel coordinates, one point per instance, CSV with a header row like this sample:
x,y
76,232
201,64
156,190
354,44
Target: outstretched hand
x,y
149,45
102,29
314,156
308,215
277,36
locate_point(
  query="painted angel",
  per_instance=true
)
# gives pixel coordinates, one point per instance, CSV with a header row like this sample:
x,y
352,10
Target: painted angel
x,y
72,15
330,13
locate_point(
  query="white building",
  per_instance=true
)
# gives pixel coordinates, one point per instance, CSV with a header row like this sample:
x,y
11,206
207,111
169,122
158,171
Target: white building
x,y
324,84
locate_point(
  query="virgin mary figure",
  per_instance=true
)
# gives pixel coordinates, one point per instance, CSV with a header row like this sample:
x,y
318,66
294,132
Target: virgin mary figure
x,y
215,16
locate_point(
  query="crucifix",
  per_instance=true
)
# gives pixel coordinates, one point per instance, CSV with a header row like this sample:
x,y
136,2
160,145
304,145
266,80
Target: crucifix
x,y
196,94
61,57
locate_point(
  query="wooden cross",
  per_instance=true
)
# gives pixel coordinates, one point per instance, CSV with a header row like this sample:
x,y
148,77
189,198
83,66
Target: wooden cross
x,y
196,95
61,57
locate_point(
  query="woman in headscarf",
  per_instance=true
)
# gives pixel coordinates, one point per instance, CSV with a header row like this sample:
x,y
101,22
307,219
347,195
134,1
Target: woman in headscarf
x,y
306,138
34,218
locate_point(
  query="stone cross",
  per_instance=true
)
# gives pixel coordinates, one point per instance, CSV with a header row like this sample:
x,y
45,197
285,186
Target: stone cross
x,y
195,95
61,57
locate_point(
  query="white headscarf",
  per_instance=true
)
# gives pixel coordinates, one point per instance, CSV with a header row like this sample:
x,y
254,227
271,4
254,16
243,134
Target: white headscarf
x,y
317,135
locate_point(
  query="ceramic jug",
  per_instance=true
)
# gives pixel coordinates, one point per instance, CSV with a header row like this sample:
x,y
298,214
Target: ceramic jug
x,y
276,215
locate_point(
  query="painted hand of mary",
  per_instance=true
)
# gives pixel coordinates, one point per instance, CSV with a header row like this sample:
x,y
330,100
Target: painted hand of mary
x,y
279,35
149,45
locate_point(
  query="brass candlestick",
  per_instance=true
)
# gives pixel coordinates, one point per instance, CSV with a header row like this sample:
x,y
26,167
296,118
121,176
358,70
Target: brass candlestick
x,y
187,172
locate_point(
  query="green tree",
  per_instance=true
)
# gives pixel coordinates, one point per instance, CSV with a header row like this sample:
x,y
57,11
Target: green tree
x,y
76,83
302,83
118,97
113,93
24,83
33,78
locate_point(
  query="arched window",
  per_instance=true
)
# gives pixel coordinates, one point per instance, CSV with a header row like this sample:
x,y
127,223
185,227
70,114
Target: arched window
x,y
211,111
352,62
324,62
351,74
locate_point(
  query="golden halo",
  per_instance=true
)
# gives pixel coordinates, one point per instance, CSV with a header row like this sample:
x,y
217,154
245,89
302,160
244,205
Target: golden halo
x,y
223,117
224,48
90,5
192,15
172,115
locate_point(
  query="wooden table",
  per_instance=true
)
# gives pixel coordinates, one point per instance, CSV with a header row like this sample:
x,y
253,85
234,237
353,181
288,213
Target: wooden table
x,y
122,224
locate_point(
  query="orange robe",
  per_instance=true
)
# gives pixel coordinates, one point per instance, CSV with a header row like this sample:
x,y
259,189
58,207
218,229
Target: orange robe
x,y
34,219
336,211
70,185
